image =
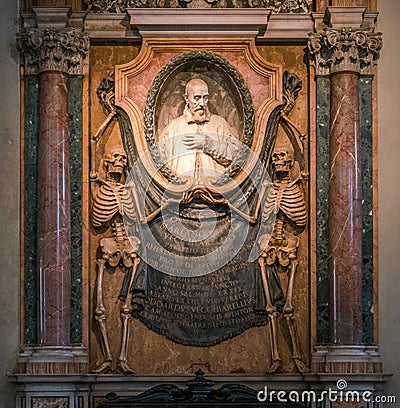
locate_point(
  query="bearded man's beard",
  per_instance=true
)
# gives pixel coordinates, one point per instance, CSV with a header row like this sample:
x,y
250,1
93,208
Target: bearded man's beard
x,y
200,115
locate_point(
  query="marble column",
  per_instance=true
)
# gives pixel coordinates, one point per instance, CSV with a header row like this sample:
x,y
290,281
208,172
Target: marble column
x,y
54,242
345,244
343,55
53,54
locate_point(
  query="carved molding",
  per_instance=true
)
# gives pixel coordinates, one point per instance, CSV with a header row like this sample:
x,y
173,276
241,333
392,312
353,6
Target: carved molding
x,y
345,50
140,23
277,6
53,50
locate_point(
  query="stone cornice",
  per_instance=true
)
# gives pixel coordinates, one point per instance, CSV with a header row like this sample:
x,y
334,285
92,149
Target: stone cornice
x,y
261,23
345,50
51,49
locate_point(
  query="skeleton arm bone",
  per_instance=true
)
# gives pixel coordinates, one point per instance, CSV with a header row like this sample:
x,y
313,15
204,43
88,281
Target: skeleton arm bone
x,y
95,139
143,218
253,218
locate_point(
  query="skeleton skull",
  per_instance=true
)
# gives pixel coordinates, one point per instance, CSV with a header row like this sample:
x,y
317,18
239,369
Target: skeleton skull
x,y
115,161
282,159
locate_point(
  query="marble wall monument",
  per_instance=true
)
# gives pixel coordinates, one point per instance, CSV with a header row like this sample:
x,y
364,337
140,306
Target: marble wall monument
x,y
193,204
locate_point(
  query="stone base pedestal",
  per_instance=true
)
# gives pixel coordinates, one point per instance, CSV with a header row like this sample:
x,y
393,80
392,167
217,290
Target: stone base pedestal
x,y
53,360
346,360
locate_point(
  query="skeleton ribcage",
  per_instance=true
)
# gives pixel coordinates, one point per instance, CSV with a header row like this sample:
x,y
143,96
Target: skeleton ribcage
x,y
106,204
286,198
128,206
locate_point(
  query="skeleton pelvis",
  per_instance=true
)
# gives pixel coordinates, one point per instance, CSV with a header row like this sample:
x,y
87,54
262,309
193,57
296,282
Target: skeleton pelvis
x,y
116,253
282,253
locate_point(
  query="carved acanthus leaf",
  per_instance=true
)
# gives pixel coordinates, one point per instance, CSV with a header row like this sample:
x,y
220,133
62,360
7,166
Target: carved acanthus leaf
x,y
277,6
345,50
53,50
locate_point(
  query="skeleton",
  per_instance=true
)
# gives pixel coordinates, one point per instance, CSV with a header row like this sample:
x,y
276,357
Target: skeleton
x,y
286,201
109,203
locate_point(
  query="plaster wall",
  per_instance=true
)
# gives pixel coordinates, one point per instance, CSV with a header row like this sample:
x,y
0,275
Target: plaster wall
x,y
9,199
389,192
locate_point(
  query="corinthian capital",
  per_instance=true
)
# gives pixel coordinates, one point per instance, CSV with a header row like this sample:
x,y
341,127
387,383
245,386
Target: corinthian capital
x,y
53,50
345,50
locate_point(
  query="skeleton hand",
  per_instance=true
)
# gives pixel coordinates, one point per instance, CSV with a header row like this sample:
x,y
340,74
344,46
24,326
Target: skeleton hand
x,y
194,141
263,241
94,175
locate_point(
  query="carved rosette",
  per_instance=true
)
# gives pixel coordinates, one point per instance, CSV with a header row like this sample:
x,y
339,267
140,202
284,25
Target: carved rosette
x,y
53,50
345,50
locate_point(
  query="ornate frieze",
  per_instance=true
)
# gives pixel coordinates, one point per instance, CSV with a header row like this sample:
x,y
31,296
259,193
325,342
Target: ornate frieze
x,y
50,402
278,6
53,50
345,50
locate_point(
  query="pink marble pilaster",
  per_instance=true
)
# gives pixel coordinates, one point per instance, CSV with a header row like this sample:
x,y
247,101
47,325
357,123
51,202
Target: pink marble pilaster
x,y
53,52
344,50
345,229
54,242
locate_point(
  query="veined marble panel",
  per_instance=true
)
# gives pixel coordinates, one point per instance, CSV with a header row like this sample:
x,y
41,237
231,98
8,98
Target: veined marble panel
x,y
367,208
75,128
323,118
31,107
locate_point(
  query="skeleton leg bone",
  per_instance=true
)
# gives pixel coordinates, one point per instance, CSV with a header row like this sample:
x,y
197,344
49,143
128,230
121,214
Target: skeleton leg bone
x,y
100,316
289,315
125,317
288,307
272,314
296,356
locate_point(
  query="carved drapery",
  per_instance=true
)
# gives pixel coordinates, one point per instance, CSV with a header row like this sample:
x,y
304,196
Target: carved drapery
x,y
53,50
345,50
278,6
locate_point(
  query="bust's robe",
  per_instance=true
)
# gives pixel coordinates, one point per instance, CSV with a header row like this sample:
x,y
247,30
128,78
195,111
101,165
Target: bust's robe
x,y
220,147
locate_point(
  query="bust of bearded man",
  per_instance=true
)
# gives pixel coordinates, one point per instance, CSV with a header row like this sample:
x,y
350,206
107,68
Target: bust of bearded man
x,y
198,137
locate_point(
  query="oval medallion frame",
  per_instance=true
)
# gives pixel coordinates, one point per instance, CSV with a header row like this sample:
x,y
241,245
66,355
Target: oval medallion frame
x,y
207,62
